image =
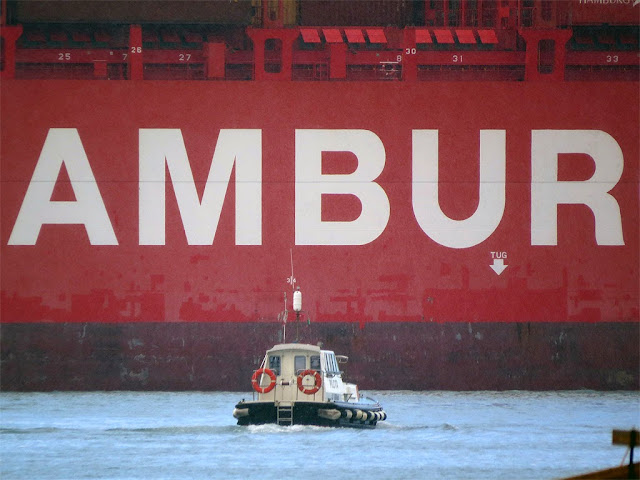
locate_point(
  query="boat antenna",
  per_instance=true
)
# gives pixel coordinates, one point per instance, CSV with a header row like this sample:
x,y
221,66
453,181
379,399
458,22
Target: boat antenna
x,y
283,316
292,278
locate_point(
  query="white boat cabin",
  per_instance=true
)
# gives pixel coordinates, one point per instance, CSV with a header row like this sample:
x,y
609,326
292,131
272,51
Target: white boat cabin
x,y
299,372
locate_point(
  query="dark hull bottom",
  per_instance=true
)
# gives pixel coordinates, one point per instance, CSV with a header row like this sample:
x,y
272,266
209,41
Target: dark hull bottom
x,y
307,413
623,471
390,356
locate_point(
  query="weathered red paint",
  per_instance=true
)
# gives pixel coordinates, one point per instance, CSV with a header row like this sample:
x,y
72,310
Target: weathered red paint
x,y
401,276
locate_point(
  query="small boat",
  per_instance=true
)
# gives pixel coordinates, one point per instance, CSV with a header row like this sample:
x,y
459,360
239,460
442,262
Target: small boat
x,y
301,384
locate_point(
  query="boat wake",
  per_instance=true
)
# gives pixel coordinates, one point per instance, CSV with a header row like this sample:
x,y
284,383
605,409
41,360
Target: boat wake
x,y
277,429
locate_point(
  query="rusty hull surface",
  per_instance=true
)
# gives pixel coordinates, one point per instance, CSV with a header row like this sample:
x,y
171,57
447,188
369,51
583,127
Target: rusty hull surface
x,y
412,356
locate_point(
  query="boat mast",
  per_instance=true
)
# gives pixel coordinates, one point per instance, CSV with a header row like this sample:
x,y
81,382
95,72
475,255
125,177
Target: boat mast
x,y
291,280
297,304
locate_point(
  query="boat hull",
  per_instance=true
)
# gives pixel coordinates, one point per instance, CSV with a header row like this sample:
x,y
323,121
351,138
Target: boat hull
x,y
322,414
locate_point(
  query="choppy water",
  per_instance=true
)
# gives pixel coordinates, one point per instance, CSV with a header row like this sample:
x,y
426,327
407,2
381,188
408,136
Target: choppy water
x,y
429,435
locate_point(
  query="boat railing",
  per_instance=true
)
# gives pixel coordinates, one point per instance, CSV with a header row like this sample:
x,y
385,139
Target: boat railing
x,y
367,400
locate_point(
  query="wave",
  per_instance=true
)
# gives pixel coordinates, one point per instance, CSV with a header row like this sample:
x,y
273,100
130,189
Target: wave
x,y
213,429
176,429
163,430
29,431
407,428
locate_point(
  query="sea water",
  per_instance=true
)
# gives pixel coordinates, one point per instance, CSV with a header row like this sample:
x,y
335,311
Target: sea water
x,y
428,435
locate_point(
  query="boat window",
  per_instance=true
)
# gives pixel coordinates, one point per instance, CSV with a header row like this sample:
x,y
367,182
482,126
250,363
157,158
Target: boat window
x,y
315,362
274,364
300,363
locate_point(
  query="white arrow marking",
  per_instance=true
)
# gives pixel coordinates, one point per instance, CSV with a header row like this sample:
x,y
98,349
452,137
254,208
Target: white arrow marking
x,y
498,265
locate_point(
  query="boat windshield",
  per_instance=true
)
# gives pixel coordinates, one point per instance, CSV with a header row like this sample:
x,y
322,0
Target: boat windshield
x,y
274,363
300,363
315,362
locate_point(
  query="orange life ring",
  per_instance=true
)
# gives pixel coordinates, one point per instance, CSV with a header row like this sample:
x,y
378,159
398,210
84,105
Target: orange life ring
x,y
255,382
316,385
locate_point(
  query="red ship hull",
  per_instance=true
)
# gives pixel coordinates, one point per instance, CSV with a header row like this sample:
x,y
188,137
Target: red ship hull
x,y
115,283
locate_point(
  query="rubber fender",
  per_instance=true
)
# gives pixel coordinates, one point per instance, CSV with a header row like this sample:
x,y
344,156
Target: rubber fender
x,y
329,413
240,412
347,414
359,414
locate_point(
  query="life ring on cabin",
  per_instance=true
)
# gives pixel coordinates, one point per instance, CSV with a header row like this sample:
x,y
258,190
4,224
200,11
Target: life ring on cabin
x,y
316,386
255,382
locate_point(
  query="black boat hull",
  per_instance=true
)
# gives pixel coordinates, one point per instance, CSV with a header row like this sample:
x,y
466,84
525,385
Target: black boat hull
x,y
328,414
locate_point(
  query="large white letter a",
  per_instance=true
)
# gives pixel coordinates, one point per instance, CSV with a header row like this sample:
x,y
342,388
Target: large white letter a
x,y
62,145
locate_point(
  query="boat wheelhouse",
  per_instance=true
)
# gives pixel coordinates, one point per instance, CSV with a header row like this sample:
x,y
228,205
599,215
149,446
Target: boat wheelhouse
x,y
301,384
